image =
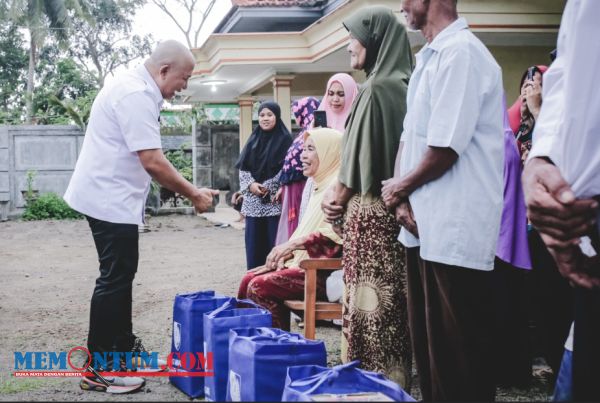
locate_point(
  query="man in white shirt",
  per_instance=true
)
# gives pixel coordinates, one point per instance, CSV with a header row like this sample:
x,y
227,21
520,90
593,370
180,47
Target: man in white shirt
x,y
562,180
121,153
447,192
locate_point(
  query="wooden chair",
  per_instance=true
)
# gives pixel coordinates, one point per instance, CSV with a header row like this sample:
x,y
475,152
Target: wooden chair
x,y
315,310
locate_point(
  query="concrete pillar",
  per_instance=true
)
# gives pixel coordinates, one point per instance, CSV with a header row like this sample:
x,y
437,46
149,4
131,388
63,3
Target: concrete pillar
x,y
4,173
245,102
282,93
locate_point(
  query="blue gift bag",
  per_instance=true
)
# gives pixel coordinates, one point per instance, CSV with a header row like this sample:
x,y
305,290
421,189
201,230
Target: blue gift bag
x,y
188,336
304,383
259,359
216,340
563,390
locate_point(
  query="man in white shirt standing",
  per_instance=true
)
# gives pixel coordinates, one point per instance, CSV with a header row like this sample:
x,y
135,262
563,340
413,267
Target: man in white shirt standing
x,y
562,180
447,192
121,153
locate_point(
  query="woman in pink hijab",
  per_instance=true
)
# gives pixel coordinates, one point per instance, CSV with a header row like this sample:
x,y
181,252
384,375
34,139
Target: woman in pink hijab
x,y
337,101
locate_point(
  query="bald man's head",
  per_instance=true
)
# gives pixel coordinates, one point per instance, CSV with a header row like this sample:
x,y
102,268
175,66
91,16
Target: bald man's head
x,y
171,65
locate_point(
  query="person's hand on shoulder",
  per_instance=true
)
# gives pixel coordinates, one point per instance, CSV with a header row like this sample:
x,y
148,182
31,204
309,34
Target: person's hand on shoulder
x,y
203,199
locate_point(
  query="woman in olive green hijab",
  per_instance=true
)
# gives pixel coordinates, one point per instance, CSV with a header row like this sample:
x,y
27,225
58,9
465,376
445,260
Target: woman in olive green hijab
x,y
375,325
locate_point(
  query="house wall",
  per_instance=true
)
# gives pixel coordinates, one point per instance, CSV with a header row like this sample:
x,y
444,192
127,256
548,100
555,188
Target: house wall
x,y
514,61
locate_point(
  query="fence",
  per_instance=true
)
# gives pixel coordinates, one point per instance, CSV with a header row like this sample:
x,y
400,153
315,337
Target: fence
x,y
51,151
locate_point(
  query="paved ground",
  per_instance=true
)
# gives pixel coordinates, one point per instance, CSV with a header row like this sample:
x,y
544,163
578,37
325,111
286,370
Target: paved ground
x,y
48,270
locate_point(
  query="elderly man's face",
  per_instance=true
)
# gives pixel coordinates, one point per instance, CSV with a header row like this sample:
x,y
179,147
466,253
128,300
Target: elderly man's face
x,y
174,78
415,12
358,53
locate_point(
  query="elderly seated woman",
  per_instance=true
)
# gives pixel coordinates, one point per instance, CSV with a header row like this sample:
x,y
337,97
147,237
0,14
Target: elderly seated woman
x,y
281,278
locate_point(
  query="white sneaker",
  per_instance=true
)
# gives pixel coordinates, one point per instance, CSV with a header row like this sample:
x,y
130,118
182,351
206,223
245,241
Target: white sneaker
x,y
112,384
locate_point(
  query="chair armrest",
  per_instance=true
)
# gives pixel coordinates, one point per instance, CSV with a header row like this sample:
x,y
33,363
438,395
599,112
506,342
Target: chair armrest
x,y
321,264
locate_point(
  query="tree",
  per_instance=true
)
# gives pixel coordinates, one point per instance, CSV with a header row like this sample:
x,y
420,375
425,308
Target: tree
x,y
41,16
107,44
13,64
67,93
194,8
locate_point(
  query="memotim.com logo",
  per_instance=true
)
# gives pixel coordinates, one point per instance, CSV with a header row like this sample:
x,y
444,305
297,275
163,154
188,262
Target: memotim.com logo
x,y
75,362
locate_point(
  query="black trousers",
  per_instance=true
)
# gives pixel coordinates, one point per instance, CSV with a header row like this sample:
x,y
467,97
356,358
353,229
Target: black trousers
x,y
512,342
260,236
110,311
586,340
551,305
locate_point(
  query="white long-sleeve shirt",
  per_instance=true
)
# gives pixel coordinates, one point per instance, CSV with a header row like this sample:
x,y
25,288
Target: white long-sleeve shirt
x,y
568,128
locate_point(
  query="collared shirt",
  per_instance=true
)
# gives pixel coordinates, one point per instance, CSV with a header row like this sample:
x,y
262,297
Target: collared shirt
x,y
109,182
455,100
568,127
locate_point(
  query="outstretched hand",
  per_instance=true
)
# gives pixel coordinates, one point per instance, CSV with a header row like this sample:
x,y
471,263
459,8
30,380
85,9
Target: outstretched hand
x,y
203,199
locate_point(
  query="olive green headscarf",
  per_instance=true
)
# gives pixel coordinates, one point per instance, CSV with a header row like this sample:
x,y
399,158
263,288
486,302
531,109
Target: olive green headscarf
x,y
374,125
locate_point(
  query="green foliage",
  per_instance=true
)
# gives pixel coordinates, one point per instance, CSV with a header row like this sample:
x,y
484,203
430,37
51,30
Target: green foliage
x,y
102,46
41,17
181,162
49,206
29,178
19,385
13,65
78,110
67,94
73,46
180,122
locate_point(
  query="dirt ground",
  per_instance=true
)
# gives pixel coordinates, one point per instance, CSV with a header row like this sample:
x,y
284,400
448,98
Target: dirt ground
x,y
48,270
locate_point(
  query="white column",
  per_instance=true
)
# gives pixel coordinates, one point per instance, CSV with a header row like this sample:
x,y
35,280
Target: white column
x,y
282,93
245,102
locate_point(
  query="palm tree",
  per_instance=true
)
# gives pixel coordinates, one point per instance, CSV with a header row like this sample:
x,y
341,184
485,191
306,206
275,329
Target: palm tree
x,y
40,17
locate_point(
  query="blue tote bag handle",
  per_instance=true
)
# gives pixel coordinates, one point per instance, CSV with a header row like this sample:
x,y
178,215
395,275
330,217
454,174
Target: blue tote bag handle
x,y
304,381
232,304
